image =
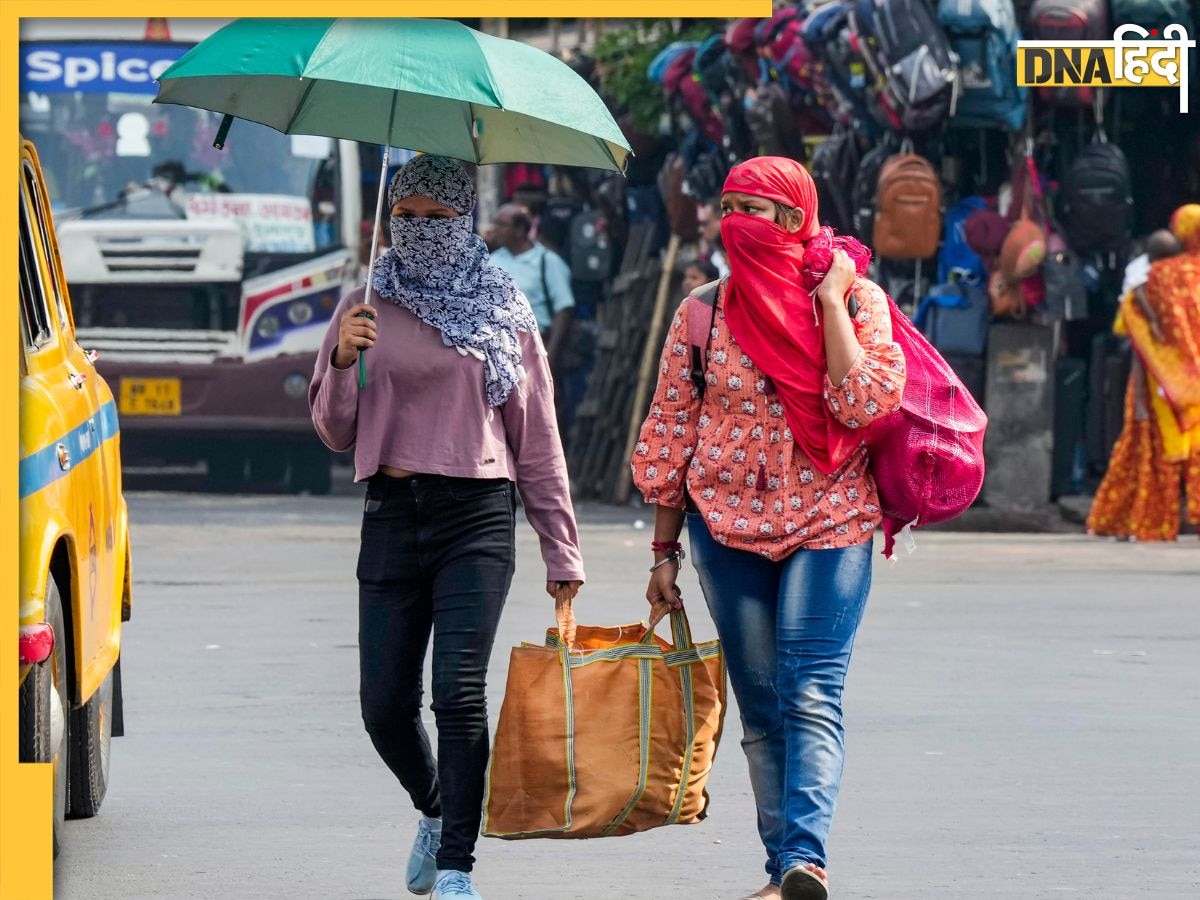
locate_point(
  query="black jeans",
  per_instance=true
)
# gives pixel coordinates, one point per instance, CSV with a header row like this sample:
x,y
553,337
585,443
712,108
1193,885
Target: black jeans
x,y
437,554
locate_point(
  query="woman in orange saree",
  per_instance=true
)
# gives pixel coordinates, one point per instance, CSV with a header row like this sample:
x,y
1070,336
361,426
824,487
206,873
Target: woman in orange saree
x,y
1157,455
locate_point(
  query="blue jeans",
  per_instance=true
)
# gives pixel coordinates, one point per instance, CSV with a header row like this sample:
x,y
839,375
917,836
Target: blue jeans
x,y
787,629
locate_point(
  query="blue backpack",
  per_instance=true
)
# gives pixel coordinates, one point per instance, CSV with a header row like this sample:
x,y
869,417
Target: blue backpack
x,y
984,35
658,66
956,254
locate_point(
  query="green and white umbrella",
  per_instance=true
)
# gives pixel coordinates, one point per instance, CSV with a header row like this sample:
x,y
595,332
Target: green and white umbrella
x,y
431,85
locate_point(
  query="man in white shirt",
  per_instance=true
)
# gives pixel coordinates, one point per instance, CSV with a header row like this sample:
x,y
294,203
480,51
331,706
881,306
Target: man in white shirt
x,y
541,274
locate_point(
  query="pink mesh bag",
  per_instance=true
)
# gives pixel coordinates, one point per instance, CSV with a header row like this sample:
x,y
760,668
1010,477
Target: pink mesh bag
x,y
927,456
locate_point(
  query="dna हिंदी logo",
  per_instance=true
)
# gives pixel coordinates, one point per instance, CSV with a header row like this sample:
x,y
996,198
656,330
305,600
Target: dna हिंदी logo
x,y
1134,57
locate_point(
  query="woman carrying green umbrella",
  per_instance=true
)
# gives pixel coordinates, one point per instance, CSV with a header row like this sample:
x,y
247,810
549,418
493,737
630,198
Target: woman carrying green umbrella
x,y
460,414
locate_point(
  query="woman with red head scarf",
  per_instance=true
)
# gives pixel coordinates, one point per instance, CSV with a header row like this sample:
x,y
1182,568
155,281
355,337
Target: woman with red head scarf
x,y
1157,456
767,466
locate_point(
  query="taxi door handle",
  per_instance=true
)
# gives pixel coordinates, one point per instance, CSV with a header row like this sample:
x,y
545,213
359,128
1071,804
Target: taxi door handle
x,y
78,380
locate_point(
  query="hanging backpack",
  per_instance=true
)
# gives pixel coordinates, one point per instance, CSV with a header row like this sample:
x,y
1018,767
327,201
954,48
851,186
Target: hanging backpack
x,y
681,208
772,122
954,316
1069,20
1096,199
955,254
683,90
739,38
591,248
1062,275
984,35
657,69
833,166
781,47
705,176
715,69
827,35
908,204
918,65
866,187
1154,15
554,224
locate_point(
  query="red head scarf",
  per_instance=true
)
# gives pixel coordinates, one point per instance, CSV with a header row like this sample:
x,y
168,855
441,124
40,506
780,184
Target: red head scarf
x,y
771,306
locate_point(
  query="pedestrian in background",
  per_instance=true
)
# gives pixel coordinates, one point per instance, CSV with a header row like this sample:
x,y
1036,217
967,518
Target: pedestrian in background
x,y
767,466
457,414
542,275
1156,459
698,273
711,248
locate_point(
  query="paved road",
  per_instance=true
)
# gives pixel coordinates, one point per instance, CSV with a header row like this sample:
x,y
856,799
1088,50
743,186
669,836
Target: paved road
x,y
1022,715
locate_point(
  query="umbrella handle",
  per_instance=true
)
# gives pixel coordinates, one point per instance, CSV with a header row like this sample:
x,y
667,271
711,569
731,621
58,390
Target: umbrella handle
x,y
363,357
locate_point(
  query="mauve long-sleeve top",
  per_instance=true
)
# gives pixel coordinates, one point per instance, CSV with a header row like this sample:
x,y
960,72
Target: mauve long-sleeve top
x,y
425,410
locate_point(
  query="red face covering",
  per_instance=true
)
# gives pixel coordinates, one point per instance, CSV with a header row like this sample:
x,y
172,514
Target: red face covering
x,y
770,305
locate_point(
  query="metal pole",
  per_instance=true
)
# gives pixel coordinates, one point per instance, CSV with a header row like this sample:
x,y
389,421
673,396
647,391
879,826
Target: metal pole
x,y
362,354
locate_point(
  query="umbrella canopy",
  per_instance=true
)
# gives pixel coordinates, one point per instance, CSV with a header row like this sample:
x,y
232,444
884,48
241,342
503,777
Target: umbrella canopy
x,y
432,85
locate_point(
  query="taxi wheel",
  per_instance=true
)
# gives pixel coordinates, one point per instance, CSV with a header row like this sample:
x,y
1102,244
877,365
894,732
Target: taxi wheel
x,y
91,738
44,702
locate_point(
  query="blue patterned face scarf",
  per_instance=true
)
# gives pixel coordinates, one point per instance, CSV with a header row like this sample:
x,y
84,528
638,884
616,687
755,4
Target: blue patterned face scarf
x,y
438,270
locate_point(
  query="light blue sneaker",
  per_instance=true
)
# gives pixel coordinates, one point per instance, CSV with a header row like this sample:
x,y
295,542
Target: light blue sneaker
x,y
422,862
454,885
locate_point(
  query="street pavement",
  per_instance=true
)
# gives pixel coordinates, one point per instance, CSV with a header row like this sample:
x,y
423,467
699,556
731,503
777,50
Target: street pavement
x,y
1022,720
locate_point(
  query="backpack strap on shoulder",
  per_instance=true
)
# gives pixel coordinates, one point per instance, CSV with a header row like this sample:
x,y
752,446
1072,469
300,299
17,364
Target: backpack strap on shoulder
x,y
702,314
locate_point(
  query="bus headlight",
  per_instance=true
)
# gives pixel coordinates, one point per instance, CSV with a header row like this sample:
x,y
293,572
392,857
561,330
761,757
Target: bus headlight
x,y
300,313
267,327
295,386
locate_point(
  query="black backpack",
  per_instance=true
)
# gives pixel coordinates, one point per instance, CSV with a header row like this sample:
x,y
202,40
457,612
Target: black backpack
x,y
1096,199
866,182
591,246
914,56
554,223
829,37
705,176
772,122
834,165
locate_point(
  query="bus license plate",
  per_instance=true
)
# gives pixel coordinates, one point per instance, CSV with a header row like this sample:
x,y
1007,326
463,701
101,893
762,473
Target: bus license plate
x,y
150,397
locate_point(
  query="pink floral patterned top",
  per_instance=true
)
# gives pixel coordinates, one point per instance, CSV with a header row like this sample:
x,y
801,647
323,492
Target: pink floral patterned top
x,y
755,487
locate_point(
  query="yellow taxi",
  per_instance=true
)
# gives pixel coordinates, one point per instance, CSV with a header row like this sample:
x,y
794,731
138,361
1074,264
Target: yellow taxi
x,y
74,552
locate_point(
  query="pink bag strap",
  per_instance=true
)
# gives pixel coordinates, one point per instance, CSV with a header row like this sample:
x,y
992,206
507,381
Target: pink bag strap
x,y
701,316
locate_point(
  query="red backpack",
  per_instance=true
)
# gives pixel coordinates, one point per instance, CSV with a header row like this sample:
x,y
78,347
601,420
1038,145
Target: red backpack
x,y
739,38
680,81
1069,20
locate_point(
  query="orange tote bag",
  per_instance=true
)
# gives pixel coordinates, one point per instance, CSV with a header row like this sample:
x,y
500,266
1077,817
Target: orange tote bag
x,y
611,735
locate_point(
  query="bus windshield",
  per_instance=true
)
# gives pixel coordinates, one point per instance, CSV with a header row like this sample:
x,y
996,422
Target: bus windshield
x,y
109,152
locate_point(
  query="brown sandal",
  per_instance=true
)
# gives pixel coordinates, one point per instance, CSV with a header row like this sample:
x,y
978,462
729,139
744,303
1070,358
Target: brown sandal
x,y
800,883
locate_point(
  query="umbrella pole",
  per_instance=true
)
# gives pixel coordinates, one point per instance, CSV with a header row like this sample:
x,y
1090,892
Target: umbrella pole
x,y
362,358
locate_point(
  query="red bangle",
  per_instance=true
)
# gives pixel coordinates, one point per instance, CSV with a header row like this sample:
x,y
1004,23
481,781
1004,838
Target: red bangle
x,y
666,546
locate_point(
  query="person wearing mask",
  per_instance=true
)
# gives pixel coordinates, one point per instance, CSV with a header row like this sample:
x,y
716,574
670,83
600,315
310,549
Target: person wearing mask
x,y
457,415
542,275
763,458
